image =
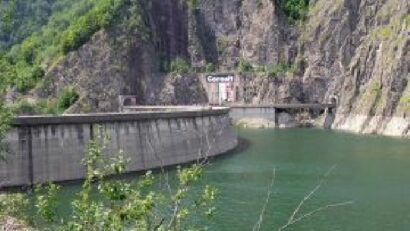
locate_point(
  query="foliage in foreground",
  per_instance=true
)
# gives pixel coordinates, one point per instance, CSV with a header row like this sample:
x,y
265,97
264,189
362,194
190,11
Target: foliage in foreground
x,y
116,204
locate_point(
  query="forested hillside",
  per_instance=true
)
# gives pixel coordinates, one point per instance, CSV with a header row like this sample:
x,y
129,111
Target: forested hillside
x,y
35,34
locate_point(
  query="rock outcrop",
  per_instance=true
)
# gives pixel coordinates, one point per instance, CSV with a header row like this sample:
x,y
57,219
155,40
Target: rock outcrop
x,y
356,51
359,51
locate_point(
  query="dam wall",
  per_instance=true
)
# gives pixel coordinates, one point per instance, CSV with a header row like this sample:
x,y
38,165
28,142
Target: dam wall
x,y
51,148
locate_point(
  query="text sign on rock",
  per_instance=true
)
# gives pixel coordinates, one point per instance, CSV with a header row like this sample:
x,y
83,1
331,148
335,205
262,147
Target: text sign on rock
x,y
219,78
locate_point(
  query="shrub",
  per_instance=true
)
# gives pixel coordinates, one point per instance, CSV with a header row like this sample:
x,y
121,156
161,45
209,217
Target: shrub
x,y
179,66
23,107
210,67
5,119
222,44
67,98
295,9
37,73
81,31
28,50
244,66
24,82
280,68
45,30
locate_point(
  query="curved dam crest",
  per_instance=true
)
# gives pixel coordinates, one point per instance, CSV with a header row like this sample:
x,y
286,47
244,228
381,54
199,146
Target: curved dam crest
x,y
50,148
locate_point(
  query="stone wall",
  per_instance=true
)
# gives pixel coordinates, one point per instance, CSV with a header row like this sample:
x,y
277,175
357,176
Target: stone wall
x,y
50,148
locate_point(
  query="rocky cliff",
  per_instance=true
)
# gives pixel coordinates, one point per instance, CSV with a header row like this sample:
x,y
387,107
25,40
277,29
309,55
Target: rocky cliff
x,y
356,51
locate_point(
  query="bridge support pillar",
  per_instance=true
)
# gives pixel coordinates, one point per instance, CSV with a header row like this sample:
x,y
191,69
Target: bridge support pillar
x,y
329,117
275,117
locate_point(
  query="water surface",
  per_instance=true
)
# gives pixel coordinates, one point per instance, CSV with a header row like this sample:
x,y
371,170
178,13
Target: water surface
x,y
373,172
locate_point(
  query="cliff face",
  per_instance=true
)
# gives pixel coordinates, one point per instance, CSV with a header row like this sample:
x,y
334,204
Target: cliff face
x,y
359,52
126,60
255,30
354,50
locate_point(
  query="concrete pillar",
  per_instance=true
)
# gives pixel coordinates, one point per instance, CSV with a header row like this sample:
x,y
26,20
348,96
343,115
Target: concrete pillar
x,y
275,117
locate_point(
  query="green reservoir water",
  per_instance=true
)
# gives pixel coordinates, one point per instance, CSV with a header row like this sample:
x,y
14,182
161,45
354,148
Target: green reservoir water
x,y
373,172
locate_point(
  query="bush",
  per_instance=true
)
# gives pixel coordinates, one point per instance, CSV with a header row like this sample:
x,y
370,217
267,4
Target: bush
x,y
28,50
280,68
37,73
222,44
5,119
210,67
179,66
44,31
244,66
295,9
67,98
23,107
81,31
24,78
277,69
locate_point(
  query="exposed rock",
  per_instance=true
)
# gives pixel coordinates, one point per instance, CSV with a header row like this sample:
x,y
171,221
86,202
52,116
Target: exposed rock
x,y
354,50
359,50
12,224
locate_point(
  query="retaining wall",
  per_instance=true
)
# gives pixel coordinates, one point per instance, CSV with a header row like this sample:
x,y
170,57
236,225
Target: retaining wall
x,y
50,148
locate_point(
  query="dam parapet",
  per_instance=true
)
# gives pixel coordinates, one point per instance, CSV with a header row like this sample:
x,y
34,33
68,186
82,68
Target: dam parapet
x,y
51,148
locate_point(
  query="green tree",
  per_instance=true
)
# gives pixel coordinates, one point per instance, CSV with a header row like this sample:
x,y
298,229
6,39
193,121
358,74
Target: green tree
x,y
67,98
5,119
42,31
244,66
295,9
28,49
210,67
179,66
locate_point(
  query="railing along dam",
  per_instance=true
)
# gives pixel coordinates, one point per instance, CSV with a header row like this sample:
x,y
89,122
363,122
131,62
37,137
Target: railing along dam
x,y
51,148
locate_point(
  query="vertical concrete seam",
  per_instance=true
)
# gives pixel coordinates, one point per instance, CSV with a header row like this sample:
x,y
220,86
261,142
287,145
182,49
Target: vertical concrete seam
x,y
30,156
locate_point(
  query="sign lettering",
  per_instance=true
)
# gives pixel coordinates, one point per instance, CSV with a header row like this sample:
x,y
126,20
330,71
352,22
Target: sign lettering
x,y
220,78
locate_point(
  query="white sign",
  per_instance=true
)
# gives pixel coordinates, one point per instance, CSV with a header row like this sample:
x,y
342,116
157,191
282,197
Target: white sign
x,y
220,79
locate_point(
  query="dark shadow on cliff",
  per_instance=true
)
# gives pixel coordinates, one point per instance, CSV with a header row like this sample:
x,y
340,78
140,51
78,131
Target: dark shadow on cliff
x,y
206,37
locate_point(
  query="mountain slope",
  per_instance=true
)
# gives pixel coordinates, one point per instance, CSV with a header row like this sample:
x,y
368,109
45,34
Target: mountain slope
x,y
359,52
352,50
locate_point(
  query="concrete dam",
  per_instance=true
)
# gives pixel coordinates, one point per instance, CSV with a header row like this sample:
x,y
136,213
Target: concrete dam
x,y
50,148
